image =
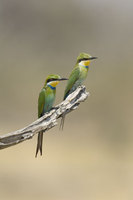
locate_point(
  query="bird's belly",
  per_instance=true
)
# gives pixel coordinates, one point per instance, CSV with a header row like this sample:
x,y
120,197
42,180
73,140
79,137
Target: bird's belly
x,y
49,103
77,84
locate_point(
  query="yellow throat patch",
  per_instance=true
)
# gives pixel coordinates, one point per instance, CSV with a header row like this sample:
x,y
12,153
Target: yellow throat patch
x,y
86,62
54,83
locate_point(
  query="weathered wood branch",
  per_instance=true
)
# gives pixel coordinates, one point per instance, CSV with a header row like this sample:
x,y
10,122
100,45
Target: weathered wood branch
x,y
46,122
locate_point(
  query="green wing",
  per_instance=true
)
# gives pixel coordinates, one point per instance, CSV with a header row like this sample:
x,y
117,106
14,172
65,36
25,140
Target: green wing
x,y
74,76
41,102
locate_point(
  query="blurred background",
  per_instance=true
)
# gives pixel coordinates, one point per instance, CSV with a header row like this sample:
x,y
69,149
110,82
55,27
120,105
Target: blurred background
x,y
93,157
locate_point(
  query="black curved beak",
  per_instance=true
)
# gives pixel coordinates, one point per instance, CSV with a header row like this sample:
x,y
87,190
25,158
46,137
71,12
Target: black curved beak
x,y
62,79
92,58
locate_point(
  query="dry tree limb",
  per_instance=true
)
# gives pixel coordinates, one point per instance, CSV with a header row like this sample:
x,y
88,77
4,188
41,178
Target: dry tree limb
x,y
47,121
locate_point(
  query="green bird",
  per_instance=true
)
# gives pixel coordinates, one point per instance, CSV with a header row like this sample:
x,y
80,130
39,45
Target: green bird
x,y
77,76
46,101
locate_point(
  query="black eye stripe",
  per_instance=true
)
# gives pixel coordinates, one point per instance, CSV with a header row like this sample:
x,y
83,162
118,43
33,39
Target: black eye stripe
x,y
82,59
51,79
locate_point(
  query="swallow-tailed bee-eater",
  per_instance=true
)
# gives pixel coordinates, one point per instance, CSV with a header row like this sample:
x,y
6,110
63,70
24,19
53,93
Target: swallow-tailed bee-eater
x,y
46,101
77,76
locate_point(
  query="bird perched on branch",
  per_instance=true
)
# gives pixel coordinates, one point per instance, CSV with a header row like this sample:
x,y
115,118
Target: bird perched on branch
x,y
45,102
77,76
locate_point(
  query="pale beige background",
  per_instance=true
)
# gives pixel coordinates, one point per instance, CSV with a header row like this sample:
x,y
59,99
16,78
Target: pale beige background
x,y
93,157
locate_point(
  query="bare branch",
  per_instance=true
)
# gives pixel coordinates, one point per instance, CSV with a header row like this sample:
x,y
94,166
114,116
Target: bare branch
x,y
47,121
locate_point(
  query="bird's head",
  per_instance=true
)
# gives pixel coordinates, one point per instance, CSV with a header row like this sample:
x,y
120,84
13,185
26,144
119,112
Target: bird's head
x,y
53,80
85,59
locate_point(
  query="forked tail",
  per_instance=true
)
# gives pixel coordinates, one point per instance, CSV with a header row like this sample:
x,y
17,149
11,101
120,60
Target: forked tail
x,y
39,143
